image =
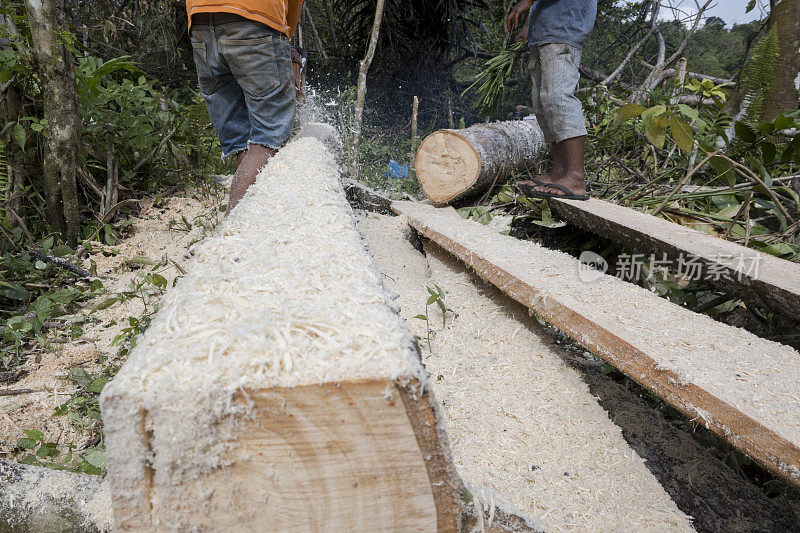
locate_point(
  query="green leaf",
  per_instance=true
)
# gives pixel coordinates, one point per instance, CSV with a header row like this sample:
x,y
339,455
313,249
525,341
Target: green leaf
x,y
89,468
682,133
655,111
105,304
745,132
627,112
439,290
48,449
35,434
95,457
13,291
80,376
98,384
767,128
159,281
656,130
421,317
26,444
20,135
789,192
769,151
751,5
782,122
688,112
724,169
432,299
29,459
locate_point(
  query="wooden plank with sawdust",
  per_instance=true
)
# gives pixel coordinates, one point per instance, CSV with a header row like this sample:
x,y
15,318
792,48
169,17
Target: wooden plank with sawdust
x,y
758,278
744,388
278,390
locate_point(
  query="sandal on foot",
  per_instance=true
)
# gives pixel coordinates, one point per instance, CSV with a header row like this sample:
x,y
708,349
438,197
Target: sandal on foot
x,y
530,192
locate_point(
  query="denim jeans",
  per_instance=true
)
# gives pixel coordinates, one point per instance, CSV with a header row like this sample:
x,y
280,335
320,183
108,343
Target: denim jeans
x,y
244,70
554,71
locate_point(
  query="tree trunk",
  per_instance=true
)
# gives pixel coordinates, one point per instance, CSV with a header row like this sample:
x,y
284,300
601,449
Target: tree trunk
x,y
362,89
782,96
56,70
452,164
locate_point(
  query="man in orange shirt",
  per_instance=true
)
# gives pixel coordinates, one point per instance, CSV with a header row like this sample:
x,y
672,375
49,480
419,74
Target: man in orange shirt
x,y
245,73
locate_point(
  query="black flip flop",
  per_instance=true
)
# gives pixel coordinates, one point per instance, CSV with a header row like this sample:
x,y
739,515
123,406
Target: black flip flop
x,y
530,192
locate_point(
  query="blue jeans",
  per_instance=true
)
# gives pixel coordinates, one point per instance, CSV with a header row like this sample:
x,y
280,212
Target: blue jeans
x,y
555,76
244,70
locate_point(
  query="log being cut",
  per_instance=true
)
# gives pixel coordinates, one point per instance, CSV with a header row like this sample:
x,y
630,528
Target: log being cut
x,y
453,164
277,388
743,387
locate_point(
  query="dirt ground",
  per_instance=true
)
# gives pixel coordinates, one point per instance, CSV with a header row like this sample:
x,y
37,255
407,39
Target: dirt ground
x,y
156,240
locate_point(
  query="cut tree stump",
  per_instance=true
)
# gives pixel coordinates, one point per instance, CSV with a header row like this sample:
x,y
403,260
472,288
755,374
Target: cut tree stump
x,y
452,164
744,388
758,278
277,388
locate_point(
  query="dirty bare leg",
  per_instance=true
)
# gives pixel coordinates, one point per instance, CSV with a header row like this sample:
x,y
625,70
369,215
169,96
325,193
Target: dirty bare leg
x,y
249,163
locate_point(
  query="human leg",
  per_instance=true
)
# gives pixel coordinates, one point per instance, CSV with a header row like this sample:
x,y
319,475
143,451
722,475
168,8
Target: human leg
x,y
535,67
563,114
259,59
224,98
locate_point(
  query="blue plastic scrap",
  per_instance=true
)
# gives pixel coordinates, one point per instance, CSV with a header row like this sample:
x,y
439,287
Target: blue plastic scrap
x,y
395,171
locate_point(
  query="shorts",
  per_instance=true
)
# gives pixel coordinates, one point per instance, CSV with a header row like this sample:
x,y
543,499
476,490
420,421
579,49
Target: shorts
x,y
244,69
555,75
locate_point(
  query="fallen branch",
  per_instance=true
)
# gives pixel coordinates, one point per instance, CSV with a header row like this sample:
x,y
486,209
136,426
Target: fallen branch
x,y
15,392
61,263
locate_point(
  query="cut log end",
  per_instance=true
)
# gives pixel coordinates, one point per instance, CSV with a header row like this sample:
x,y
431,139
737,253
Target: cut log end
x,y
332,456
447,165
455,164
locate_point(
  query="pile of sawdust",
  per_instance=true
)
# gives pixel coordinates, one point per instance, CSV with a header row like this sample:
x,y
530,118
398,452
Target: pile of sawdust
x,y
522,424
39,498
151,238
757,377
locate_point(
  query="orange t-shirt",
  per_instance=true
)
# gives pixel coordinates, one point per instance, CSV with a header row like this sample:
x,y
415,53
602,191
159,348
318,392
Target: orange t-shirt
x,y
281,15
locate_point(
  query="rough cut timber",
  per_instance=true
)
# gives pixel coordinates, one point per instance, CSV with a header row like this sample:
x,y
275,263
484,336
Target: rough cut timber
x,y
34,498
277,388
744,388
761,279
451,164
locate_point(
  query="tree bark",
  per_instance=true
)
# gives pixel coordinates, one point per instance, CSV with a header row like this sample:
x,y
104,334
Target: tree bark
x,y
362,89
782,96
453,164
56,70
